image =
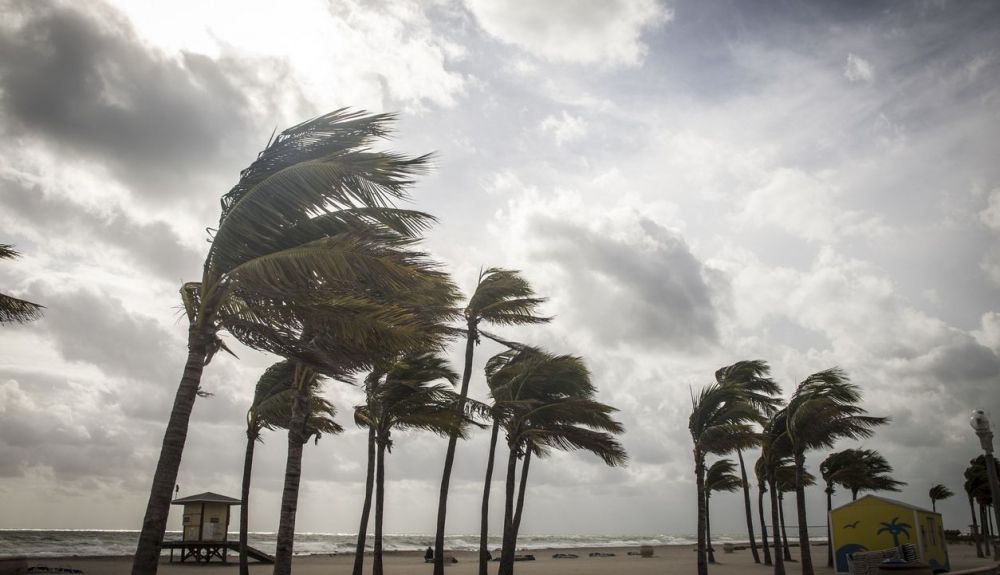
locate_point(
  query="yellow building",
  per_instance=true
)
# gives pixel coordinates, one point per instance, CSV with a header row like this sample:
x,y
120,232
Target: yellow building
x,y
206,516
873,523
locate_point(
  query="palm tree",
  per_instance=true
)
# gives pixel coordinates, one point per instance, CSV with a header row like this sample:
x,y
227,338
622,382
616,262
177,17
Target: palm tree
x,y
722,420
502,297
857,470
761,474
271,409
407,399
978,488
551,408
972,484
762,392
308,224
371,382
937,493
718,477
13,309
823,409
785,482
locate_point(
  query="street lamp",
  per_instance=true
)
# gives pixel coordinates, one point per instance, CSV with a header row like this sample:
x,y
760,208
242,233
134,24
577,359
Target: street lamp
x,y
981,424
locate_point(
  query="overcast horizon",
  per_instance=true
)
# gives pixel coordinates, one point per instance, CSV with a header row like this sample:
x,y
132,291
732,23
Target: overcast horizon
x,y
690,184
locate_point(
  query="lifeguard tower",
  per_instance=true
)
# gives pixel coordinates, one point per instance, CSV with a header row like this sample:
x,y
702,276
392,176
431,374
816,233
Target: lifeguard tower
x,y
206,530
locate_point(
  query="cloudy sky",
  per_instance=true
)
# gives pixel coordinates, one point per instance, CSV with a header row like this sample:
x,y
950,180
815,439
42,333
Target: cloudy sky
x,y
690,183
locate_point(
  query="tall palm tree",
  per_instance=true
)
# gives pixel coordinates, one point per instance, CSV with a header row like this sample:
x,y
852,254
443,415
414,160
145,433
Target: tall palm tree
x,y
371,382
763,393
971,487
718,477
13,309
978,488
722,420
408,399
502,297
555,410
271,409
824,408
785,482
857,470
937,493
295,234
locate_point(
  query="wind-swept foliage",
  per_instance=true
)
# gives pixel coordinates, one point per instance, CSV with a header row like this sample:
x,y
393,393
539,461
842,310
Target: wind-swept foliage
x,y
763,393
723,419
504,298
310,261
937,493
720,476
272,409
824,409
408,399
12,309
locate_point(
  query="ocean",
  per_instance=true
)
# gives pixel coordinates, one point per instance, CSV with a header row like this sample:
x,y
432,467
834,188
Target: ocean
x,y
94,543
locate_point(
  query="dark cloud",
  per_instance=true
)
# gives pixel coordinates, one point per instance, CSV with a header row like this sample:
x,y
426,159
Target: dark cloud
x,y
97,329
651,292
153,246
86,84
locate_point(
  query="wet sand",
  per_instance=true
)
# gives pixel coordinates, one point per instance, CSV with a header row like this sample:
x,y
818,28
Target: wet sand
x,y
667,560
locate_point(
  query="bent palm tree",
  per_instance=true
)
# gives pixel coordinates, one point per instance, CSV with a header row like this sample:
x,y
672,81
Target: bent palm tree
x,y
407,400
761,476
501,297
551,408
12,309
722,420
718,477
271,409
762,392
299,222
823,409
937,493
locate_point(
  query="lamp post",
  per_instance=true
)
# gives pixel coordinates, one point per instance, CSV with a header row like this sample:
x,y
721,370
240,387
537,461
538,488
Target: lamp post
x,y
981,424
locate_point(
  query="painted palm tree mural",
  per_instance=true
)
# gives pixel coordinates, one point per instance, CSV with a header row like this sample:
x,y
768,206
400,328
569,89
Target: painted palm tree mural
x,y
895,529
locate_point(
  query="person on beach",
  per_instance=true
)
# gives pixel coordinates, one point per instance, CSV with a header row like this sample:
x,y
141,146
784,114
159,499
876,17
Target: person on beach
x,y
429,554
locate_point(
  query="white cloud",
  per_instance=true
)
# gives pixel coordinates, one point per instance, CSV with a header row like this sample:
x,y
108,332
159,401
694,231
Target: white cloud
x,y
805,205
990,215
988,333
858,69
607,32
564,128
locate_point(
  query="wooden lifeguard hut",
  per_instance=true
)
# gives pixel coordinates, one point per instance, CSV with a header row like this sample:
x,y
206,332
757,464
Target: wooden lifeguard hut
x,y
206,530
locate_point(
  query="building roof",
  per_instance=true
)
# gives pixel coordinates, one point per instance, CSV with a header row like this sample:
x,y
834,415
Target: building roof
x,y
206,497
890,501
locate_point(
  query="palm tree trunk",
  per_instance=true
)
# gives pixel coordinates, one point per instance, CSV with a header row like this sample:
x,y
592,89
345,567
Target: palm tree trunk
x,y
154,523
293,475
746,502
699,475
975,529
708,529
805,553
245,502
763,524
854,494
520,495
829,532
366,509
379,510
934,505
507,551
449,457
779,562
784,531
485,519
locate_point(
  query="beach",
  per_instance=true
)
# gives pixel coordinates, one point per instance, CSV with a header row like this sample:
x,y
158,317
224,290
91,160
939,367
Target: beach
x,y
679,559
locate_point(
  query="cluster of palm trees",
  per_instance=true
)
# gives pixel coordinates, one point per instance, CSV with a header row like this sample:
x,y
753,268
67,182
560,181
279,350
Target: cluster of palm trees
x,y
312,261
981,505
742,410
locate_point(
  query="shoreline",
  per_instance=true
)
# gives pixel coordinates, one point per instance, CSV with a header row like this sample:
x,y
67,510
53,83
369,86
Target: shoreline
x,y
666,560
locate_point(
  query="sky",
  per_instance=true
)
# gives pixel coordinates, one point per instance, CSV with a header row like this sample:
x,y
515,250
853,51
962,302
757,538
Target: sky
x,y
690,184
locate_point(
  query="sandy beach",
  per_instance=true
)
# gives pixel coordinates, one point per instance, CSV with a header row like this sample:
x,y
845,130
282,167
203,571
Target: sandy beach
x,y
667,560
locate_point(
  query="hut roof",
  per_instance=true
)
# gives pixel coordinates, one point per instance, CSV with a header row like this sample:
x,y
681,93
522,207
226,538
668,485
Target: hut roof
x,y
890,501
207,497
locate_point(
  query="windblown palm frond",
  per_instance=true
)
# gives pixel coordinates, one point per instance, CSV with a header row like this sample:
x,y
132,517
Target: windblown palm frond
x,y
721,476
12,309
